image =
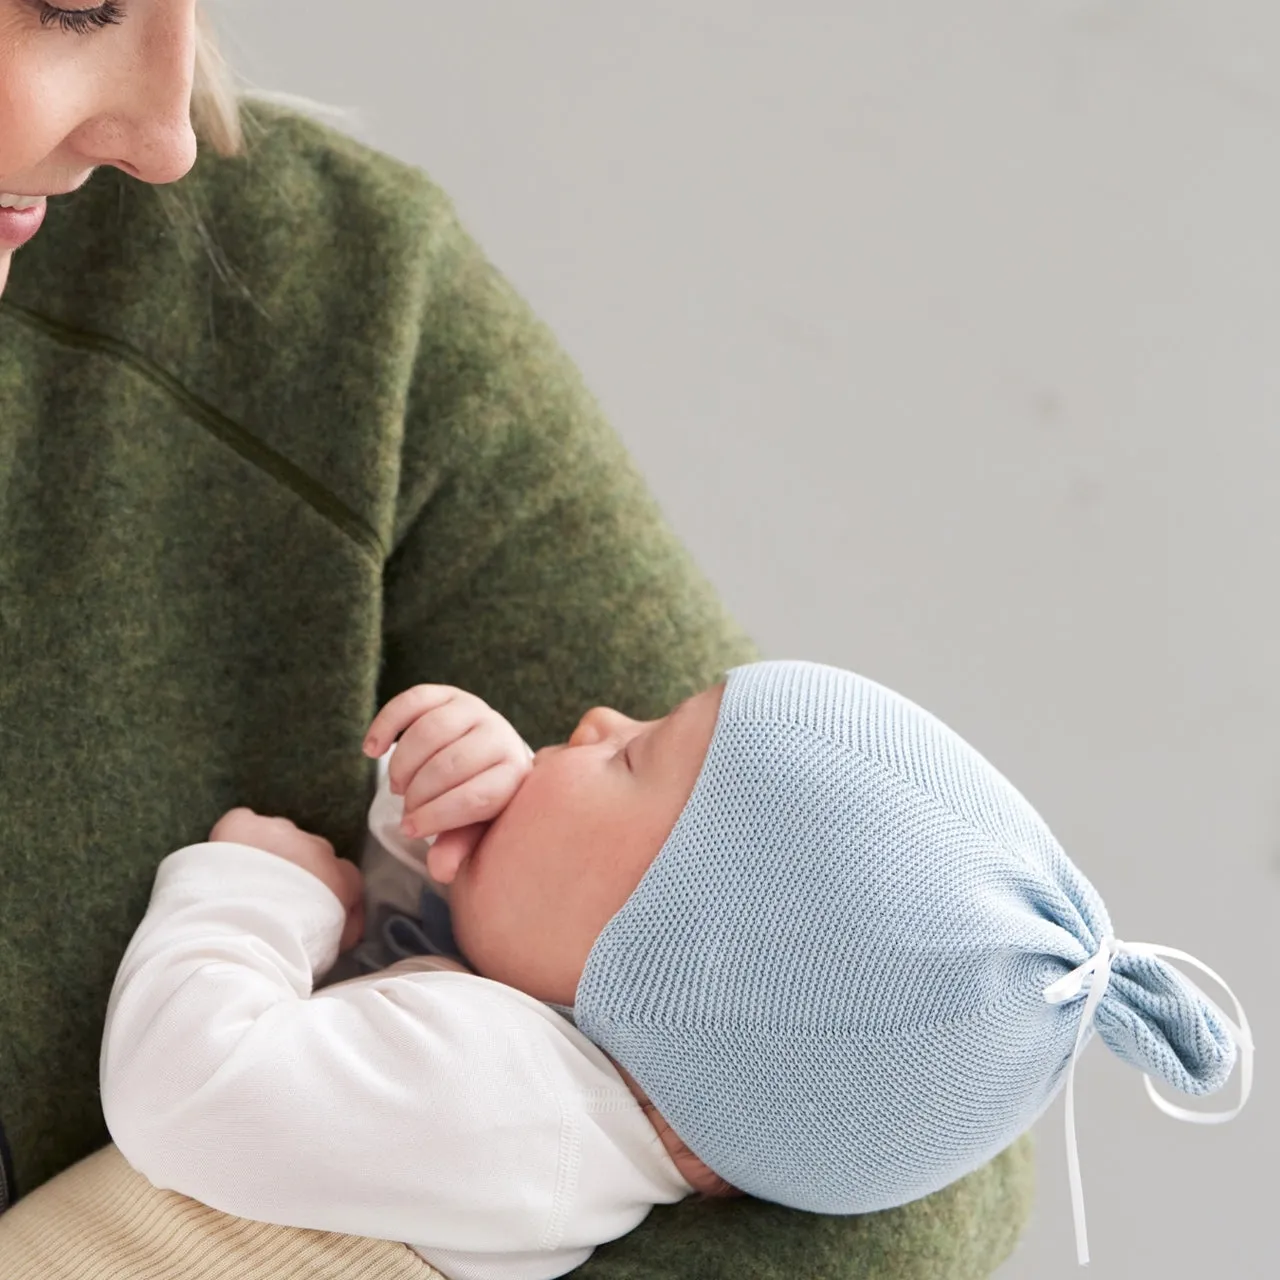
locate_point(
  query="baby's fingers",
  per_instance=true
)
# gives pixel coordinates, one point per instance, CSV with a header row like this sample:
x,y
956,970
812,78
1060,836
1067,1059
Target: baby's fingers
x,y
402,710
479,799
441,749
451,850
458,760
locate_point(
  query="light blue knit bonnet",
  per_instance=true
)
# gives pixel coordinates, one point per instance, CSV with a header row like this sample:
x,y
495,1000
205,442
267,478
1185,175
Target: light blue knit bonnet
x,y
861,965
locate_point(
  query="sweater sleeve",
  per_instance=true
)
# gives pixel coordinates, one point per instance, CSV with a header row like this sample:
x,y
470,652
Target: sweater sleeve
x,y
529,562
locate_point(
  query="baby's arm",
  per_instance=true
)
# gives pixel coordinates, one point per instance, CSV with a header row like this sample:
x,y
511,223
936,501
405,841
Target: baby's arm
x,y
410,1107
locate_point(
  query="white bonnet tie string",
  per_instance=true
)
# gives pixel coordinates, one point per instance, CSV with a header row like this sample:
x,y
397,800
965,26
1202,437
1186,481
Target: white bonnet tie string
x,y
1093,976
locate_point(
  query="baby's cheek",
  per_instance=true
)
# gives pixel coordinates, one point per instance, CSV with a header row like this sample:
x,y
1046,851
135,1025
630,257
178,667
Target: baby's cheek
x,y
482,887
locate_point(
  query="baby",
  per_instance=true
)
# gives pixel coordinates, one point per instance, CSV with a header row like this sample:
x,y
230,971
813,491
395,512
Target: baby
x,y
795,939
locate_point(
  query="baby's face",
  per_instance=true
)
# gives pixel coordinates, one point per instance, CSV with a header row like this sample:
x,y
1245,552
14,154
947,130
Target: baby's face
x,y
566,853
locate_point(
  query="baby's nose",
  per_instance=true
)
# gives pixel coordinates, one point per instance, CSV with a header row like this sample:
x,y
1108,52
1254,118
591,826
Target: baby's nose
x,y
599,724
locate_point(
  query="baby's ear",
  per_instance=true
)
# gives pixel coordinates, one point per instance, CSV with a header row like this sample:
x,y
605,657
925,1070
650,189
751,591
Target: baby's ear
x,y
451,849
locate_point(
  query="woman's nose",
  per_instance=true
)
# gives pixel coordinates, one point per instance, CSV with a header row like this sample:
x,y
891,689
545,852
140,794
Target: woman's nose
x,y
601,724
144,126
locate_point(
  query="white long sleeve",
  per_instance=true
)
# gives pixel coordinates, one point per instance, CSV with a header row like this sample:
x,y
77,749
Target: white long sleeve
x,y
437,1108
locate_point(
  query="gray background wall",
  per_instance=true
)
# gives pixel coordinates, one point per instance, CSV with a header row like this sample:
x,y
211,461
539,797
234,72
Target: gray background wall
x,y
946,335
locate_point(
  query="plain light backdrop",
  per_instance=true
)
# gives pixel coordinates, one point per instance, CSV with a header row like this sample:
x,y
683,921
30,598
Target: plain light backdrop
x,y
947,337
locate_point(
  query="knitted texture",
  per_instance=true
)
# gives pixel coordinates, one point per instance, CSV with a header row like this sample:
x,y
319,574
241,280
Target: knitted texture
x,y
102,1221
830,980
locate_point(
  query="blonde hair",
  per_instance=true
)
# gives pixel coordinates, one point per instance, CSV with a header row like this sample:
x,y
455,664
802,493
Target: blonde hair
x,y
215,99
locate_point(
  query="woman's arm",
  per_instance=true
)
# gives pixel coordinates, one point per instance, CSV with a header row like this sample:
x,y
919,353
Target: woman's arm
x,y
530,564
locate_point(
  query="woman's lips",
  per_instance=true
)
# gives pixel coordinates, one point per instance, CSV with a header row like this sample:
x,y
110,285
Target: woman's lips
x,y
17,226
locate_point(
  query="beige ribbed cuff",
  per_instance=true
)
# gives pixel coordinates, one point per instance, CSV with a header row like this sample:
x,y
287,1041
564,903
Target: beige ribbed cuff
x,y
99,1220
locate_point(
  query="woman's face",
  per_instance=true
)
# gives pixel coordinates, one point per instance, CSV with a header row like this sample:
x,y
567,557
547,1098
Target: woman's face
x,y
86,85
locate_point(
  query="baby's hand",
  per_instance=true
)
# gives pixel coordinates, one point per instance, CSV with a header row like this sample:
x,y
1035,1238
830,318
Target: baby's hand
x,y
310,852
457,764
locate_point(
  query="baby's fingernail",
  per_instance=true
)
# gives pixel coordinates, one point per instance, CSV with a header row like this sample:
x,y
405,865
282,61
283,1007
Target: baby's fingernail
x,y
370,743
408,827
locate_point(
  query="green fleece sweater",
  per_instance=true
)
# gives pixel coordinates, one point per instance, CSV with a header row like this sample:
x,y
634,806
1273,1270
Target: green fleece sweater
x,y
276,443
